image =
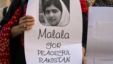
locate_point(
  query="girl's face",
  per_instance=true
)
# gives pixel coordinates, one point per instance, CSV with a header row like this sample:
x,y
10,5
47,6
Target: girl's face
x,y
53,15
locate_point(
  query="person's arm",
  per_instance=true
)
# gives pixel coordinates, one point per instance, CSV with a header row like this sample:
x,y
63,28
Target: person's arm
x,y
84,56
84,7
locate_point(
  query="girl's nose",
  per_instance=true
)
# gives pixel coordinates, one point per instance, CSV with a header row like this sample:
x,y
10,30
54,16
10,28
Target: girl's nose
x,y
51,14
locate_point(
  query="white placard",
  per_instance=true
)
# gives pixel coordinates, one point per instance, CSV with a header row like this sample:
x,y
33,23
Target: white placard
x,y
60,44
100,37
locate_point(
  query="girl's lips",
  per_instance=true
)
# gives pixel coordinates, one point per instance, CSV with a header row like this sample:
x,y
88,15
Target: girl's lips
x,y
51,19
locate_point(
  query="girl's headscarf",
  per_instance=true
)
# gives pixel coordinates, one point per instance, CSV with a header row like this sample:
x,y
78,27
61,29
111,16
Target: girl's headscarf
x,y
65,15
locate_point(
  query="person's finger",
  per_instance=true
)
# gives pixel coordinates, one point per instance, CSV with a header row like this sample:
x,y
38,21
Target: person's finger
x,y
22,27
27,16
26,19
26,26
29,23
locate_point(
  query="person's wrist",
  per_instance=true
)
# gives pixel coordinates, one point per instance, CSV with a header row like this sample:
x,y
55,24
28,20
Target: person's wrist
x,y
15,31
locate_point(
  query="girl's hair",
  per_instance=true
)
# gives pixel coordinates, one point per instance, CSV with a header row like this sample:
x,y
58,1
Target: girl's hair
x,y
48,3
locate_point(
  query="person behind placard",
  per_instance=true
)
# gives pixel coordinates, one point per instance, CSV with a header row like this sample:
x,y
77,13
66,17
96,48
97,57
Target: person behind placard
x,y
91,2
108,3
12,26
56,13
84,7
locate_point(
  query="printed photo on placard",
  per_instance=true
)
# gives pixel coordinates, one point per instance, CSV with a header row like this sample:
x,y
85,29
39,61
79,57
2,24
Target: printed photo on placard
x,y
54,12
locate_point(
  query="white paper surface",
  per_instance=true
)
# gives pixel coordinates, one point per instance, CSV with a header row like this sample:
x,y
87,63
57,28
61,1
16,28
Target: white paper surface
x,y
100,37
68,51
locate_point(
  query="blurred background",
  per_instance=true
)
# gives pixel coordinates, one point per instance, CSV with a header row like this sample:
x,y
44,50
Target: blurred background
x,y
2,3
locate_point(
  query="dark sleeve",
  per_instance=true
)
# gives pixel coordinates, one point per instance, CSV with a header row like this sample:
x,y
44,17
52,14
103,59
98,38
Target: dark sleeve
x,y
85,29
84,9
17,51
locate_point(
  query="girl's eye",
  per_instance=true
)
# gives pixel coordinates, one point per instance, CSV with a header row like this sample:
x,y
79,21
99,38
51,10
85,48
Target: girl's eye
x,y
54,11
47,12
